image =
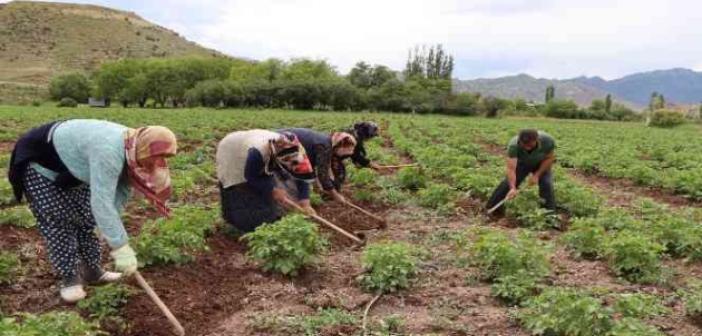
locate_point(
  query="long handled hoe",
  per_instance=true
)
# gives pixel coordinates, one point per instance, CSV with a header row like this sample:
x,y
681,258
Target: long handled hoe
x,y
154,297
321,220
382,223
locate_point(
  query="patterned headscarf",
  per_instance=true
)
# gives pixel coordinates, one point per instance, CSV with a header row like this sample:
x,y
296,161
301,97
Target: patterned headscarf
x,y
143,143
290,155
344,141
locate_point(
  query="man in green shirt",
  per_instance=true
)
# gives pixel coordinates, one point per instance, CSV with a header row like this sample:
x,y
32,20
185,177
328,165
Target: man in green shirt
x,y
531,152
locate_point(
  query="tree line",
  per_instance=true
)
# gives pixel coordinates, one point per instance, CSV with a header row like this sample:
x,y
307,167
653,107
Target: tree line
x,y
424,86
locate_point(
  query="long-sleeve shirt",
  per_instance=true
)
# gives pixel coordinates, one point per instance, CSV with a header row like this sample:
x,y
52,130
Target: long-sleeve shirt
x,y
93,151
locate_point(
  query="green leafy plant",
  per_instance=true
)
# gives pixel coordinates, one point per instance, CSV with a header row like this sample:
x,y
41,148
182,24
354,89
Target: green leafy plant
x,y
324,318
634,256
497,255
106,301
632,327
389,266
515,289
639,305
437,196
564,311
526,207
411,178
692,298
19,216
585,238
285,246
55,323
175,240
9,267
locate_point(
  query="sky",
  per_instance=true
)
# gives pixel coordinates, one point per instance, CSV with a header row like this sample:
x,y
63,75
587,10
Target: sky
x,y
488,38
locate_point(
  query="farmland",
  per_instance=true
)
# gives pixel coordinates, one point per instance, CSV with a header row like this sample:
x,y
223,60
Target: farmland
x,y
621,256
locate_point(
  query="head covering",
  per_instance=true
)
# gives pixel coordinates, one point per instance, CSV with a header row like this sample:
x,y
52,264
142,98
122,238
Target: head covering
x,y
343,144
365,130
144,143
290,155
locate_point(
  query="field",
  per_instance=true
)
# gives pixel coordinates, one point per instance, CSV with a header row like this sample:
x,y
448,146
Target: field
x,y
622,256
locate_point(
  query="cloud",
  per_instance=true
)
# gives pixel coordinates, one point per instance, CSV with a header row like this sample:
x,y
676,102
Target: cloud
x,y
546,38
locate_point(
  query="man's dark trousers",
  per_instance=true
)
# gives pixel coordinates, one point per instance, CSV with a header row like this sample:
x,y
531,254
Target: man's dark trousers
x,y
545,188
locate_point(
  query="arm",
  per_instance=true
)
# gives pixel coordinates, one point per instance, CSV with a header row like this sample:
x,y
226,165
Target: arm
x,y
322,167
545,165
359,156
105,170
512,172
253,172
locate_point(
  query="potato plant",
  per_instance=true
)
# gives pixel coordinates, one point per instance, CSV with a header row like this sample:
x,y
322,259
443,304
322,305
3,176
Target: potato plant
x,y
9,267
389,266
176,240
634,256
285,246
498,255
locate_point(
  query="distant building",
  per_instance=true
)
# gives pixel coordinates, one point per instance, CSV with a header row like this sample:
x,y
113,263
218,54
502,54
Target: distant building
x,y
98,102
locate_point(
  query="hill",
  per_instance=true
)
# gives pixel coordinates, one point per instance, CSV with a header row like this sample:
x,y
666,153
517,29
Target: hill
x,y
41,39
533,89
679,86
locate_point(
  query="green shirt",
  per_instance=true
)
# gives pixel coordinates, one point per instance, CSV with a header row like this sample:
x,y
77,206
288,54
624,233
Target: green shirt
x,y
546,145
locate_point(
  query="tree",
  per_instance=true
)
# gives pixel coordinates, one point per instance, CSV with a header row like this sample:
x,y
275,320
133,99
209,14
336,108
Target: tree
x,y
491,106
72,85
561,109
550,93
303,69
608,104
657,101
433,63
361,75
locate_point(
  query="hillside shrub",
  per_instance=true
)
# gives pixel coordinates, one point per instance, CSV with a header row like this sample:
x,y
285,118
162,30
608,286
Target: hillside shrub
x,y
285,246
388,266
67,102
73,85
666,118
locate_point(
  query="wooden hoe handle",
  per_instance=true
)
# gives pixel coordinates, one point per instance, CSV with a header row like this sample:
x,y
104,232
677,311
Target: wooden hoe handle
x,y
154,297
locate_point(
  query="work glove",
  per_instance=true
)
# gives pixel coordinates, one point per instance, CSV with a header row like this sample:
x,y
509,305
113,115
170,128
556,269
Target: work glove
x,y
125,259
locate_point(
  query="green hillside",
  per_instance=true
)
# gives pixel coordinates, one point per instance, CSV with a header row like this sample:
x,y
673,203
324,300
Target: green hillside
x,y
41,39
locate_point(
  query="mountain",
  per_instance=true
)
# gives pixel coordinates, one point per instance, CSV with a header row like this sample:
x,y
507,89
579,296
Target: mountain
x,y
41,39
534,89
678,86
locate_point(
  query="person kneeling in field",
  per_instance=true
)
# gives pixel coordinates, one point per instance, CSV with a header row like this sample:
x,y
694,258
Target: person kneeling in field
x,y
327,153
362,131
77,175
259,172
531,152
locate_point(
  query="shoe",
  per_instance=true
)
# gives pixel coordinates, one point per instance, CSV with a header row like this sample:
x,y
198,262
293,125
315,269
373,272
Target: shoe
x,y
108,277
72,294
99,277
